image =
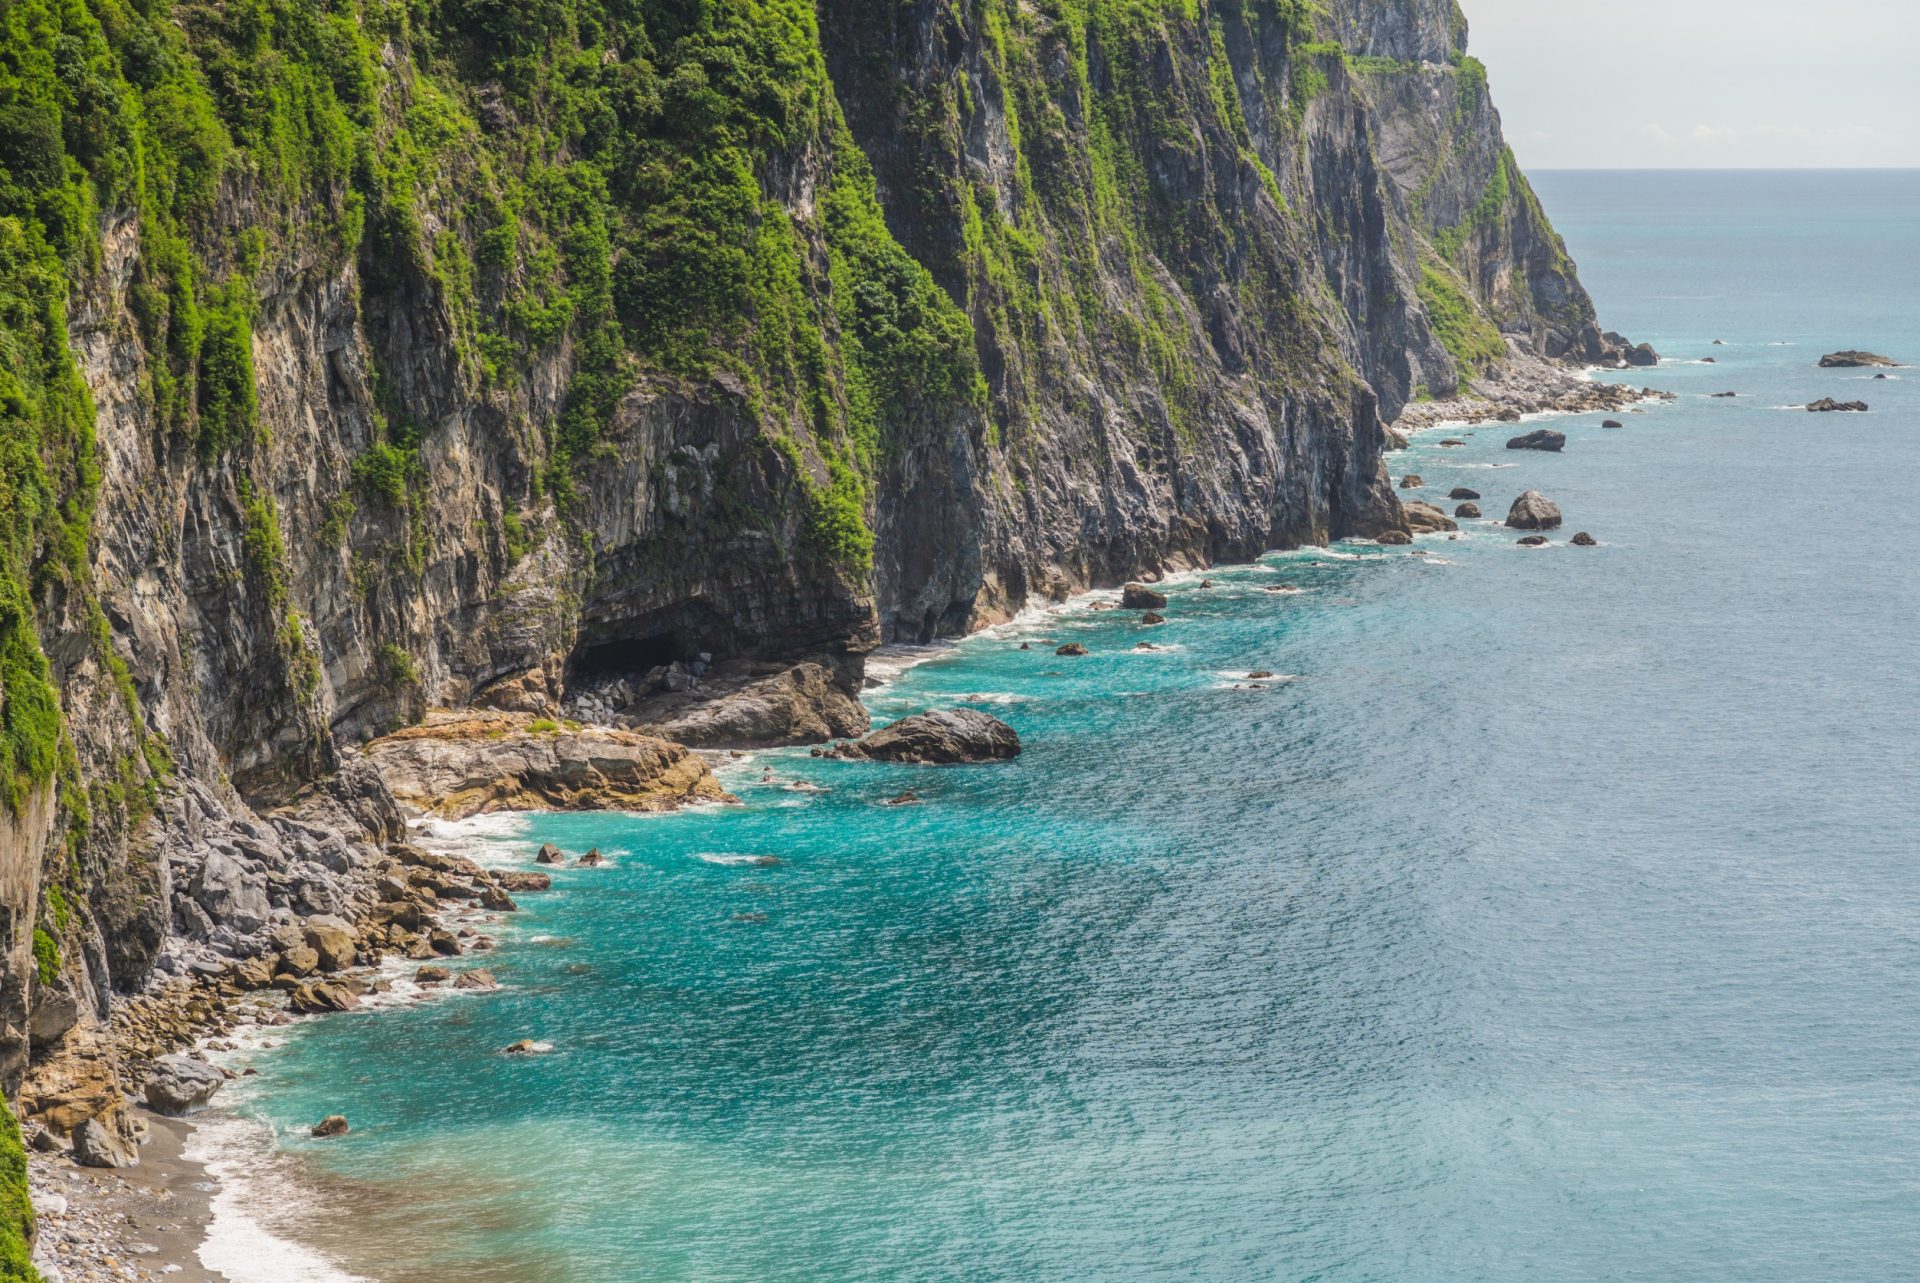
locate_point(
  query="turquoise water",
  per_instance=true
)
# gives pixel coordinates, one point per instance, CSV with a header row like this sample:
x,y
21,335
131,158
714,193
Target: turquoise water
x,y
1558,919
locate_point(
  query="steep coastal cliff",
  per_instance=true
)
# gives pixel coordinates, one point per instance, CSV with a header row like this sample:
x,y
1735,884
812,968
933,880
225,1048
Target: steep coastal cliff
x,y
364,358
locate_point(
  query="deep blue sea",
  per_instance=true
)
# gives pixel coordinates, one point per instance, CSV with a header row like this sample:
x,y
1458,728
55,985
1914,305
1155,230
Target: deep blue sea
x,y
1555,915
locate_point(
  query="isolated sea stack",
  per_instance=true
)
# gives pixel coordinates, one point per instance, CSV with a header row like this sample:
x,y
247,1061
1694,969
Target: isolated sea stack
x,y
1534,511
1544,439
942,738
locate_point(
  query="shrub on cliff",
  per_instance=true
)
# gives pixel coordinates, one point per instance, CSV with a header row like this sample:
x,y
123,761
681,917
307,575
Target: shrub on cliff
x,y
16,1211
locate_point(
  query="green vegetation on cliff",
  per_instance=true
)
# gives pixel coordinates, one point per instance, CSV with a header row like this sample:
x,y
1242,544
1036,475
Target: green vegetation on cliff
x,y
1459,324
605,173
16,1210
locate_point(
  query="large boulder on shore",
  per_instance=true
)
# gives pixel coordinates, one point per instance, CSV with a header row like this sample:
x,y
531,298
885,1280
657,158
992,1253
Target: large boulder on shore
x,y
1854,360
1544,439
319,997
331,941
1534,511
180,1084
232,894
944,737
96,1145
1141,597
1643,356
806,704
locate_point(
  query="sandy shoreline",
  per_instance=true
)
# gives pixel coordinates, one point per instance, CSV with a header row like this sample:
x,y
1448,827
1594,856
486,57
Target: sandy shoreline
x,y
146,1222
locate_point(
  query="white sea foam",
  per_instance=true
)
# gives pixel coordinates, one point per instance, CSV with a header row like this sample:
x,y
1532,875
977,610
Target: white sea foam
x,y
885,665
252,1185
994,697
499,825
736,859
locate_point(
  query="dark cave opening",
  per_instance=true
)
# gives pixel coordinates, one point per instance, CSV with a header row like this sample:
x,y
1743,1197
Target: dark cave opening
x,y
621,656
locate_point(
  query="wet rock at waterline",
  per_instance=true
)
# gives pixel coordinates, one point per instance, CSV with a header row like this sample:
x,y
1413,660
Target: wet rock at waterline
x,y
1426,519
180,1084
1544,439
945,737
1534,511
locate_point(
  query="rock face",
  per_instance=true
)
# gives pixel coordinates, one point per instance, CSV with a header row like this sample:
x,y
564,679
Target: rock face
x,y
456,765
1643,355
941,738
1827,405
1855,360
1534,511
1054,303
180,1084
1544,439
1141,597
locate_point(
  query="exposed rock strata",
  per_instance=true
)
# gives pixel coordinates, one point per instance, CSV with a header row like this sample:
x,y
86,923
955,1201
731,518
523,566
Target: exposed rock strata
x,y
459,764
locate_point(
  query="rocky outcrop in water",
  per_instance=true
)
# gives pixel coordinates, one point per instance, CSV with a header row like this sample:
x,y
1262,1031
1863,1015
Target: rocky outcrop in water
x,y
455,765
1853,360
1427,519
1534,511
1827,405
943,738
1544,439
804,704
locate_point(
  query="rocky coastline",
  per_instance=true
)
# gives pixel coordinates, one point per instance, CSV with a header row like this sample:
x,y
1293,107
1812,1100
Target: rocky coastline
x,y
357,501
305,913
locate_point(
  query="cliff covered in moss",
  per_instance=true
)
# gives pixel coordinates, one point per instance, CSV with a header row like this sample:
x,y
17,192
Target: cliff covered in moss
x,y
362,357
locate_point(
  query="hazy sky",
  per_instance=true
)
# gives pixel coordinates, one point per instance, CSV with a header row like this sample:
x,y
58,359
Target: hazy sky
x,y
1645,84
